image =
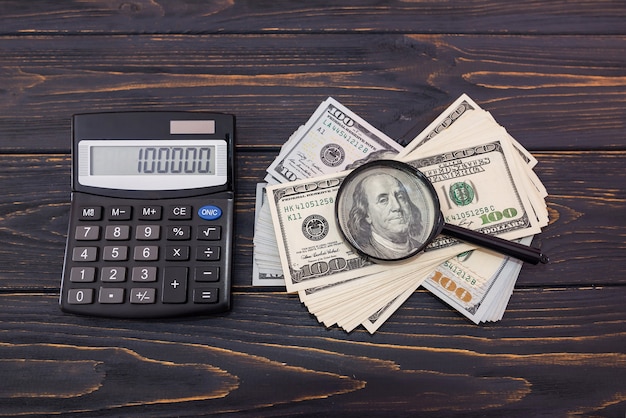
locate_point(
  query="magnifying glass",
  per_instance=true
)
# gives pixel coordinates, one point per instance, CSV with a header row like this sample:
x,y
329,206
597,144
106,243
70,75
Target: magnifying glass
x,y
388,210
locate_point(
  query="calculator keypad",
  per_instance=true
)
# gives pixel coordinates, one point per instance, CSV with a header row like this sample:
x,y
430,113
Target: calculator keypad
x,y
136,258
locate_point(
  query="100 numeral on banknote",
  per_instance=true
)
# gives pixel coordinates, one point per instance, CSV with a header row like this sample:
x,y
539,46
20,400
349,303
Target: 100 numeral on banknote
x,y
478,190
310,244
332,139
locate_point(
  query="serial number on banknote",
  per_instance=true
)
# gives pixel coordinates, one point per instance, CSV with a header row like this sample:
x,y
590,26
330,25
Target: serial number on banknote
x,y
460,273
360,144
292,210
486,215
470,213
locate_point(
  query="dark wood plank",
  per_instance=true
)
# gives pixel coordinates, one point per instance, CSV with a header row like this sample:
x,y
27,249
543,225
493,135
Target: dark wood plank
x,y
550,92
584,240
552,73
163,16
555,352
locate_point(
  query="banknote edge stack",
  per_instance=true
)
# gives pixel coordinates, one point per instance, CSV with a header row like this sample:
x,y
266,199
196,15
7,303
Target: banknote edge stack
x,y
475,282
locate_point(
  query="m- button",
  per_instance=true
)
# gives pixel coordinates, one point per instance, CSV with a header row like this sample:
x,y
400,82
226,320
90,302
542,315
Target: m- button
x,y
177,212
121,213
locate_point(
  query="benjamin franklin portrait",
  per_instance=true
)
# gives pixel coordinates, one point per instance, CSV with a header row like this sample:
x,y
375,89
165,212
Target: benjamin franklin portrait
x,y
388,218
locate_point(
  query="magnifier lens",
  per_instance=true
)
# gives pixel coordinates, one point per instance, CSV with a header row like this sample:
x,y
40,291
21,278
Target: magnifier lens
x,y
388,210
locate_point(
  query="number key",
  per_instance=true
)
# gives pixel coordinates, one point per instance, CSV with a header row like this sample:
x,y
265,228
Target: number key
x,y
79,296
85,254
115,253
144,274
148,232
87,233
83,274
146,253
113,274
117,232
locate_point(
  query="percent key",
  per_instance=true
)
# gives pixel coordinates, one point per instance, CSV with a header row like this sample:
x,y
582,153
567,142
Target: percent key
x,y
182,232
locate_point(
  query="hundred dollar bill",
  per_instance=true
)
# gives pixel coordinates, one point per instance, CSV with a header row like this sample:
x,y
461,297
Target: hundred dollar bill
x,y
466,119
490,277
477,284
308,137
473,120
312,249
479,188
351,302
266,268
378,318
300,215
457,111
332,139
476,185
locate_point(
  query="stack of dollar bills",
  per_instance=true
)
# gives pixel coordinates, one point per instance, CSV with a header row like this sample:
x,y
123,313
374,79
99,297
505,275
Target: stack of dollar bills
x,y
465,147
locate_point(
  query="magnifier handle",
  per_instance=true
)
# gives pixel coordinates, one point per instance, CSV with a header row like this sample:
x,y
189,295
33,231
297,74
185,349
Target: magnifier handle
x,y
522,252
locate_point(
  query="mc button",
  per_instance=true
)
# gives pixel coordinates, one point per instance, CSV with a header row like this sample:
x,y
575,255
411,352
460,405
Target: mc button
x,y
90,213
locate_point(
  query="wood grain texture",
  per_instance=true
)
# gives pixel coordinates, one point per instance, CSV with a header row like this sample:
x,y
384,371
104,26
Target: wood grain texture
x,y
550,92
553,73
268,357
371,16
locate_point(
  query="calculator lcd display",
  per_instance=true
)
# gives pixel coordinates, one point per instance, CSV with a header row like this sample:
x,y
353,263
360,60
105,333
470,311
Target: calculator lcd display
x,y
153,160
152,164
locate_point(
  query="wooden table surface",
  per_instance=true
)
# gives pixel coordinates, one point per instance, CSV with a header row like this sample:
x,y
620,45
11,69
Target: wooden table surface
x,y
553,73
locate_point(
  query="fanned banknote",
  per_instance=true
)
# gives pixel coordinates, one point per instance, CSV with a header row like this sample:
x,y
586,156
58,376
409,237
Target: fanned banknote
x,y
484,180
312,249
332,139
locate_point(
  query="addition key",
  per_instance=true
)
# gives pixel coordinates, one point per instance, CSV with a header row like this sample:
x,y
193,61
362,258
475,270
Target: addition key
x,y
174,285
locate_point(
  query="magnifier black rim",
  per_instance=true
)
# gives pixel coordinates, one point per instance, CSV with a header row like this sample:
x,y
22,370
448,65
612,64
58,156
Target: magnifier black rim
x,y
410,170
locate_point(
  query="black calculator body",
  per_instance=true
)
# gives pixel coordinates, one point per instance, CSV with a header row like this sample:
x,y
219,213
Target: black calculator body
x,y
151,220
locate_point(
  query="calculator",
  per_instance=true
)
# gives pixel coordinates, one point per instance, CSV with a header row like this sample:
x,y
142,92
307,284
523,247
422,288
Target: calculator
x,y
151,217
